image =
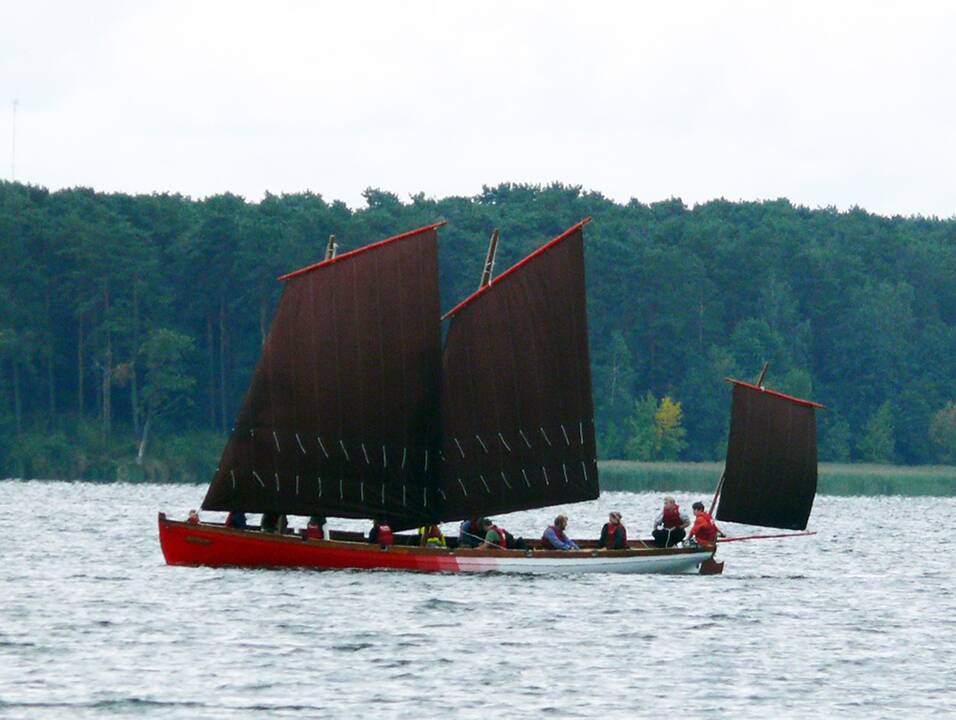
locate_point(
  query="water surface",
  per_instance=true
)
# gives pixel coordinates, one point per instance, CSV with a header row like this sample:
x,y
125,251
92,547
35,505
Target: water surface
x,y
859,620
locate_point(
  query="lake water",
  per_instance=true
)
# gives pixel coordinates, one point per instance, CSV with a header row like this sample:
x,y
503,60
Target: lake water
x,y
857,621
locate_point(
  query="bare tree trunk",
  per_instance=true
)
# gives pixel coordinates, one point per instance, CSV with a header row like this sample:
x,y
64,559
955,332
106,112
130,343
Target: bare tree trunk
x,y
263,309
107,367
222,361
79,367
51,392
17,410
133,385
143,439
211,354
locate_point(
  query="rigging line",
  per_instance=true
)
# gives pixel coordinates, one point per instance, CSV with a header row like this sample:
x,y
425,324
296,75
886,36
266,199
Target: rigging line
x,y
442,493
383,495
384,460
459,447
258,478
521,433
525,475
426,461
404,456
502,438
546,481
567,440
296,484
585,469
505,479
482,443
276,438
581,431
362,491
465,492
319,478
546,438
301,446
345,452
232,474
564,469
487,489
365,453
341,490
278,490
322,445
404,497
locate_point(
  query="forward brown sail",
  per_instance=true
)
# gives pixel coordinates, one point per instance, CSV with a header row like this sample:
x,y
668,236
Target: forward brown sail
x,y
342,416
517,414
771,472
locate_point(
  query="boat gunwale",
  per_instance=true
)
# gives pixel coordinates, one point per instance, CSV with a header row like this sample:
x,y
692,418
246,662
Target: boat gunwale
x,y
299,540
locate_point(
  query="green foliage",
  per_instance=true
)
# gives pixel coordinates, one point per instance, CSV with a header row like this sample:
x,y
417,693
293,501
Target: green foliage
x,y
942,431
877,443
116,310
657,432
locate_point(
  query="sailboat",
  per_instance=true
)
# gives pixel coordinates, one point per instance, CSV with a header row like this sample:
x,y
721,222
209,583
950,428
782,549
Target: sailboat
x,y
357,409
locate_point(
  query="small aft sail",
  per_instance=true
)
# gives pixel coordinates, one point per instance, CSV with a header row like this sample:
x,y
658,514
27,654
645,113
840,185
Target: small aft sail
x,y
771,472
517,415
342,416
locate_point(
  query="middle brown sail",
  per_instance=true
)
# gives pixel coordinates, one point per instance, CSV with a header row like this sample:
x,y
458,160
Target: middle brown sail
x,y
517,414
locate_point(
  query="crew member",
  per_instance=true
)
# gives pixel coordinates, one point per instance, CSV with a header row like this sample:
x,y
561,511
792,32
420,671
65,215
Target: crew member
x,y
554,537
431,536
613,534
193,518
670,524
316,529
705,530
381,533
469,533
496,538
236,520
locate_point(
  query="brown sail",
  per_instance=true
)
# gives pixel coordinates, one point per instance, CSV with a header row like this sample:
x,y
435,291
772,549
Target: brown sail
x,y
342,416
771,472
517,414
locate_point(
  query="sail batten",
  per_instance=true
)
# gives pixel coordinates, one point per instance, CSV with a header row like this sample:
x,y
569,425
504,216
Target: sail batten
x,y
351,365
770,478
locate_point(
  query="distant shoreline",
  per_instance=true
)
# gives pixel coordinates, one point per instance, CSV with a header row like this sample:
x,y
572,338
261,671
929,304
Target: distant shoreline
x,y
701,477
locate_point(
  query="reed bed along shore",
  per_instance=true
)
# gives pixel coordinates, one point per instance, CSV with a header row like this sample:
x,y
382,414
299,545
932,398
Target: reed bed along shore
x,y
834,478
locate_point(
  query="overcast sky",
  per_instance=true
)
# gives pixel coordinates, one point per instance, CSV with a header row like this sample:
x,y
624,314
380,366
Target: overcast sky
x,y
833,103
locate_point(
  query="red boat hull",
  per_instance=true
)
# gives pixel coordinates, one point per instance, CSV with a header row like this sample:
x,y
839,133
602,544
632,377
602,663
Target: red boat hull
x,y
218,546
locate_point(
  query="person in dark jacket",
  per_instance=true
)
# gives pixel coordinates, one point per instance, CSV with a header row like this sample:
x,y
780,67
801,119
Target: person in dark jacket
x,y
613,534
236,520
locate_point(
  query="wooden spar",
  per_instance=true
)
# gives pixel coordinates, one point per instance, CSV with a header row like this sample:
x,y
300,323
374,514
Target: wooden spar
x,y
765,537
489,260
331,249
720,484
763,374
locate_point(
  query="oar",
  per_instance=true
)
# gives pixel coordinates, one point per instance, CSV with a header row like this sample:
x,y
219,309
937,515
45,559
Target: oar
x,y
764,537
477,537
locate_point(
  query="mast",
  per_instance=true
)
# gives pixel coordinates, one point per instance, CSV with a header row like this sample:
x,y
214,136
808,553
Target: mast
x,y
489,260
341,417
332,248
517,415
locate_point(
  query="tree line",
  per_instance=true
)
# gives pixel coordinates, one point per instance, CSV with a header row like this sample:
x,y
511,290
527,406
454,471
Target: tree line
x,y
130,325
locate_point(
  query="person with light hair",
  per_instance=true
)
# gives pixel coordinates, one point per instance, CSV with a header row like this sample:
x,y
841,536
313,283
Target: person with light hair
x,y
670,524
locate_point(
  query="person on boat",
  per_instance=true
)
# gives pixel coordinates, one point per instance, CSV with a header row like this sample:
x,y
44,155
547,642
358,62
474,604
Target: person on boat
x,y
670,525
470,533
496,538
316,529
613,534
705,530
431,536
381,533
193,518
236,520
555,538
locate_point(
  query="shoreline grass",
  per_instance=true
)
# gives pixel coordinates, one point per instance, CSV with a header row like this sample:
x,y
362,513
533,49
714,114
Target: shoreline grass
x,y
833,478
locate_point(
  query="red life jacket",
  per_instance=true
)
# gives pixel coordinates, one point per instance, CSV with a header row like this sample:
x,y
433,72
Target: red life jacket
x,y
502,543
192,520
385,536
672,517
314,532
704,529
547,543
612,535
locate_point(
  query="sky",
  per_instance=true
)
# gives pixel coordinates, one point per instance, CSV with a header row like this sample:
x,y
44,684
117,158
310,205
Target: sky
x,y
825,103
